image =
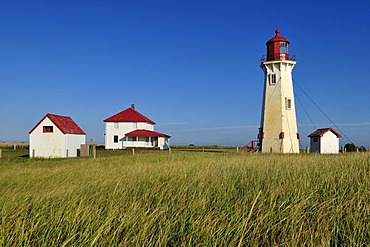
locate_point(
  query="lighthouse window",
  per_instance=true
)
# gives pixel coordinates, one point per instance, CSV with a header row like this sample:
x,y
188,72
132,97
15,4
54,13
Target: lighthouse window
x,y
283,47
272,79
288,103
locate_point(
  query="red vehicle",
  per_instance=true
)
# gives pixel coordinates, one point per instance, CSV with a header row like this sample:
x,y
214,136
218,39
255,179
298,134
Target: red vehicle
x,y
252,146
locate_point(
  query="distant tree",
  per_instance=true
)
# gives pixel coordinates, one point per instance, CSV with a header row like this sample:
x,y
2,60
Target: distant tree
x,y
350,147
362,149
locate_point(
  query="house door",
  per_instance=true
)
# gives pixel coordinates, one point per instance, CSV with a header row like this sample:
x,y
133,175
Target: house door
x,y
155,141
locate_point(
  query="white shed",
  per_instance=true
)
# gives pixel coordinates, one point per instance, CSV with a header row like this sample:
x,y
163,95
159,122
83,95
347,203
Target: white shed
x,y
56,136
131,129
325,141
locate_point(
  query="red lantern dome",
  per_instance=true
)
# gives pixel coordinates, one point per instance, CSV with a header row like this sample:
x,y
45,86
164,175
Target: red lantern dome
x,y
277,48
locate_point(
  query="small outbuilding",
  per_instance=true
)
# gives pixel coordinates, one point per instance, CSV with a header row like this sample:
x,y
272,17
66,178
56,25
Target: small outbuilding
x,y
325,141
56,136
131,129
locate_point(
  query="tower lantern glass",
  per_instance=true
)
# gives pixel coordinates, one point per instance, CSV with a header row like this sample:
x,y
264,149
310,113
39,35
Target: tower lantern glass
x,y
284,47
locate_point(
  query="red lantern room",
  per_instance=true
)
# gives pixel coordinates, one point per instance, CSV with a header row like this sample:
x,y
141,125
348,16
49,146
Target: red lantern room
x,y
277,48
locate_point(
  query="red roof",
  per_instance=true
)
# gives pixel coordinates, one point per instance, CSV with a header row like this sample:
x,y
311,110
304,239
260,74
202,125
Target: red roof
x,y
129,115
278,38
321,132
146,133
64,123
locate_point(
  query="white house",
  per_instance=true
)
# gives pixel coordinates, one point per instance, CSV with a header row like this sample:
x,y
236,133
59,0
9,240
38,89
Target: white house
x,y
56,136
131,129
325,141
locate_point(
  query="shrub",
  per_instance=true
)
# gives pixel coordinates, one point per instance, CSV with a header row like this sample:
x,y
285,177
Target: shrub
x,y
350,147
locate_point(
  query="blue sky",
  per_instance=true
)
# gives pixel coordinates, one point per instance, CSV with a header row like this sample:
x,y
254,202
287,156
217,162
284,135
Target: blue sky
x,y
191,66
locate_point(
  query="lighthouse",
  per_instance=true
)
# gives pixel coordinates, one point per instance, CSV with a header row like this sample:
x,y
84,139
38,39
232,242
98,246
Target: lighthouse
x,y
278,130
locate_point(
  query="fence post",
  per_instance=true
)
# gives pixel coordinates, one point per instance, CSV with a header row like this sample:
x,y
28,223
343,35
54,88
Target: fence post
x,y
1,153
94,151
237,149
133,151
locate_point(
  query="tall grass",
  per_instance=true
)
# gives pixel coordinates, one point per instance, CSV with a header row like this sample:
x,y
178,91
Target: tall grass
x,y
186,199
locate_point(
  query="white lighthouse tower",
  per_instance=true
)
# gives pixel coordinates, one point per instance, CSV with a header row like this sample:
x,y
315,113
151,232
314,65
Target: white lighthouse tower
x,y
278,130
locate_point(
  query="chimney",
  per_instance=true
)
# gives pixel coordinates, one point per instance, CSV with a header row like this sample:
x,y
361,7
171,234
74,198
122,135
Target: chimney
x,y
133,106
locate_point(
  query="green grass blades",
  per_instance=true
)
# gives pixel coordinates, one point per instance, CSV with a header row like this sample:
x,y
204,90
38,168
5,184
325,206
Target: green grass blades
x,y
186,199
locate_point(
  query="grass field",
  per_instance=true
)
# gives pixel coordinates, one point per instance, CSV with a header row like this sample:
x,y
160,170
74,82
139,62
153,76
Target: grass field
x,y
186,198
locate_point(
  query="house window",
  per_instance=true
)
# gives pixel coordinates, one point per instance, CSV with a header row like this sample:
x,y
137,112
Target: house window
x,y
288,103
135,125
47,129
132,138
115,139
315,139
142,139
116,125
272,79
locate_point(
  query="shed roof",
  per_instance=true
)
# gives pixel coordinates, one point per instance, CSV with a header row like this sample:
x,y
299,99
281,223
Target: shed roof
x,y
129,115
64,123
146,133
321,132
